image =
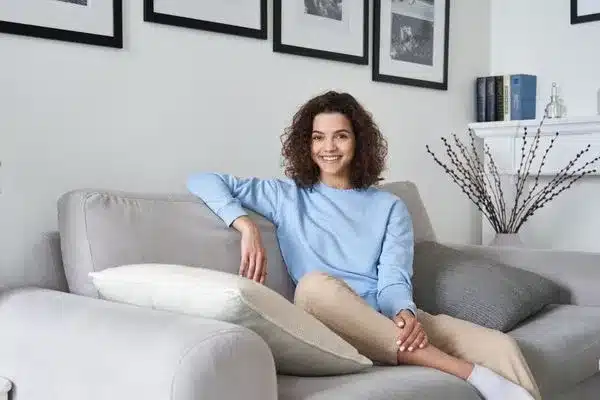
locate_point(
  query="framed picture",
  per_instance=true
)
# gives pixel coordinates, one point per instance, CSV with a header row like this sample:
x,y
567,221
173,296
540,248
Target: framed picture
x,y
584,11
79,21
329,29
410,42
236,17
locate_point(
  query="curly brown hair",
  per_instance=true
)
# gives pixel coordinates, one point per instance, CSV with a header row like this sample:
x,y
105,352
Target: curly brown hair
x,y
371,147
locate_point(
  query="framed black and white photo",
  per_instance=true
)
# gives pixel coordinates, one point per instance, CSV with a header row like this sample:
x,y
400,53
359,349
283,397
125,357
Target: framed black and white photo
x,y
236,17
410,42
79,21
585,11
329,29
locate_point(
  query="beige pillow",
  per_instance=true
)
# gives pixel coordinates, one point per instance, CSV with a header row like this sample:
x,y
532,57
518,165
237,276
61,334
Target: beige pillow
x,y
301,344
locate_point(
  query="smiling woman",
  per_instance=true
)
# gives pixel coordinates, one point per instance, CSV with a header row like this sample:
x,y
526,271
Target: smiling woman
x,y
348,247
334,124
333,144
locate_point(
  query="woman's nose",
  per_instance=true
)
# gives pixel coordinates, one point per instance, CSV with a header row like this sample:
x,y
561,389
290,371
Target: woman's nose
x,y
329,144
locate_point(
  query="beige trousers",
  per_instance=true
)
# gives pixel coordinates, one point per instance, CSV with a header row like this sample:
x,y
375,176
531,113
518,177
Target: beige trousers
x,y
374,335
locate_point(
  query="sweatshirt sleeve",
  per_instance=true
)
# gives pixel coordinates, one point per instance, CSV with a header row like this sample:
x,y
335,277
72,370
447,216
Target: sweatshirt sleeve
x,y
227,196
395,268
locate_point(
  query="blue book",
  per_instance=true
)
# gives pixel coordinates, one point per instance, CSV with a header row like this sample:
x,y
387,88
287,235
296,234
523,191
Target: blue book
x,y
523,90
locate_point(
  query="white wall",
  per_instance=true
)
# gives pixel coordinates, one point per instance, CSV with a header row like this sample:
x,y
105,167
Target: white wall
x,y
177,100
536,37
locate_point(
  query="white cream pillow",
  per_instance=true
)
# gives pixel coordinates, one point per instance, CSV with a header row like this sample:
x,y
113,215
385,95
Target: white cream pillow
x,y
301,344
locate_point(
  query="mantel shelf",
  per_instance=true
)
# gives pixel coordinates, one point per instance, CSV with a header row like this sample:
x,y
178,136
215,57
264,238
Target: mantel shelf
x,y
505,141
564,126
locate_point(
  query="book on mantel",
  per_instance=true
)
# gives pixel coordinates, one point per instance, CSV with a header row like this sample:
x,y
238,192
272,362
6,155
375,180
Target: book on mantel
x,y
505,97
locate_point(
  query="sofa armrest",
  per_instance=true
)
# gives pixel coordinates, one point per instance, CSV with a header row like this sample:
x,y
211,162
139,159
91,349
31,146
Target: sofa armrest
x,y
577,273
61,345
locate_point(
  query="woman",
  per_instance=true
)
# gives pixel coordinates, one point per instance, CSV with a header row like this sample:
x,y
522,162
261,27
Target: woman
x,y
348,247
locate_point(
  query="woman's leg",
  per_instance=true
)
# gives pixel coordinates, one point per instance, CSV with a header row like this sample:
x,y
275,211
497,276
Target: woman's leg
x,y
335,304
477,344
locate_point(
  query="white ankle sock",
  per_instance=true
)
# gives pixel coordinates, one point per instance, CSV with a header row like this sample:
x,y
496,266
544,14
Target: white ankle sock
x,y
495,387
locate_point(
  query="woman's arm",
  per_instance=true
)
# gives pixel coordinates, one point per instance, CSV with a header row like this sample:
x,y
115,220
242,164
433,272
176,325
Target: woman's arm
x,y
395,269
227,196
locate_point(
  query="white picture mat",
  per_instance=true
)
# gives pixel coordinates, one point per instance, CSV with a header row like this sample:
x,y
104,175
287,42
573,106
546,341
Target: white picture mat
x,y
389,66
305,30
244,13
585,7
95,18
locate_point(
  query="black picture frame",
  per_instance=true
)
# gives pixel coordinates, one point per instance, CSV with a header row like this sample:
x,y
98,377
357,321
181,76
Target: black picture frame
x,y
580,19
115,40
152,16
378,76
280,47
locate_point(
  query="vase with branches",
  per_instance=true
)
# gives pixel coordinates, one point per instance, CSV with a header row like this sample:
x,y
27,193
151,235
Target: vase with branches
x,y
479,177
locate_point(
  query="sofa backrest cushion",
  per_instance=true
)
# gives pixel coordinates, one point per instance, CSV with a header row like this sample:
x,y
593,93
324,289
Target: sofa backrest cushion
x,y
102,229
106,229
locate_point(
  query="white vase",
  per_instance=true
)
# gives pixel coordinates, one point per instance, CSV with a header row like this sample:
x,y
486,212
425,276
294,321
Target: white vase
x,y
507,239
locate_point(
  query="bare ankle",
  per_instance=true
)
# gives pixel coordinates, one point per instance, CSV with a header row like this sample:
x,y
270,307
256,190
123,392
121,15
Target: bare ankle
x,y
465,370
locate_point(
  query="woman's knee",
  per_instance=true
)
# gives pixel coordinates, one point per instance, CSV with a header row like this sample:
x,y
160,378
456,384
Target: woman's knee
x,y
311,286
503,343
508,342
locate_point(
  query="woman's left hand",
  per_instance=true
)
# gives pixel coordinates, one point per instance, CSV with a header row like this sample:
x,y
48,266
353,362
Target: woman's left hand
x,y
412,335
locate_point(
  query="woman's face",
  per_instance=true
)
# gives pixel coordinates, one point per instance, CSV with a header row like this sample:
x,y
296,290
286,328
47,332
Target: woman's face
x,y
333,145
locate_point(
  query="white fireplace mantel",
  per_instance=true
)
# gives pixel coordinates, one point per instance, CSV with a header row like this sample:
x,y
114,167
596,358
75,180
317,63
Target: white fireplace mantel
x,y
505,139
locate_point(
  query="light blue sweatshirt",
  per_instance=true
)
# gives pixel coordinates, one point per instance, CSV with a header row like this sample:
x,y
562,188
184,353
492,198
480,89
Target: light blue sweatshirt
x,y
363,237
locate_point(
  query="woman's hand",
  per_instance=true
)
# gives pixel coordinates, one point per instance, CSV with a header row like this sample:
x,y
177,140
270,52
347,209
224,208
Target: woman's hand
x,y
253,263
412,335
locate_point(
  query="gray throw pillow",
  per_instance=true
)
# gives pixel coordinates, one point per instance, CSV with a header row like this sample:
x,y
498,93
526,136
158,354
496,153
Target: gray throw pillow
x,y
485,292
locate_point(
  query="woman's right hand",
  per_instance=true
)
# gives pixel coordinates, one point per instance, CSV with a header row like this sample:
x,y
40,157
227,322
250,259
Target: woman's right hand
x,y
253,263
412,335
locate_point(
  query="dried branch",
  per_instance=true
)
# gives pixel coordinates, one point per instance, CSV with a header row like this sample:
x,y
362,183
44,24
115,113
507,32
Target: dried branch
x,y
479,178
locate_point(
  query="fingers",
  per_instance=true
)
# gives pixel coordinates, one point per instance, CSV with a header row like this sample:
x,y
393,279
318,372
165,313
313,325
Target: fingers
x,y
251,266
405,332
408,343
416,344
424,342
260,267
254,266
399,321
244,264
263,277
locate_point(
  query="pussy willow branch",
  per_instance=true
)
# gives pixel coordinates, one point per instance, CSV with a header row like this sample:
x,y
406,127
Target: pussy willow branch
x,y
552,196
557,185
478,174
496,189
473,178
537,176
534,197
482,177
473,196
487,200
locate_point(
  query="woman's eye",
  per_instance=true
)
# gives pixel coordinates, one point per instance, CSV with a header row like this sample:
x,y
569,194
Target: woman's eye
x,y
316,138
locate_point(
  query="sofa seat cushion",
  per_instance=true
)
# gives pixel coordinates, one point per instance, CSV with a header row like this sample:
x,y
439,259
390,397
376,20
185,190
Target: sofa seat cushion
x,y
561,345
378,383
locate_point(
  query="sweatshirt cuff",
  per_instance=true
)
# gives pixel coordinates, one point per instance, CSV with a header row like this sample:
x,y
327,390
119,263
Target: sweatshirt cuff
x,y
395,298
231,212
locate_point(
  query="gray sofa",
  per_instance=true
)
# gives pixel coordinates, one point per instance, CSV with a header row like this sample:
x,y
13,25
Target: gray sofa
x,y
71,345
